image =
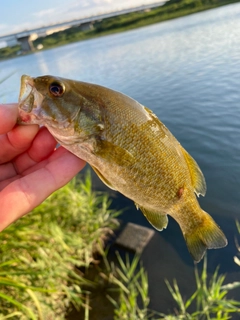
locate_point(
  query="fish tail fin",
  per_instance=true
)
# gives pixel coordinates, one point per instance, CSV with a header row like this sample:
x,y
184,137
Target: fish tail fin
x,y
206,236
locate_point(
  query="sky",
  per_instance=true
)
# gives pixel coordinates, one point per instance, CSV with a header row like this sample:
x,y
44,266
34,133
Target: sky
x,y
18,15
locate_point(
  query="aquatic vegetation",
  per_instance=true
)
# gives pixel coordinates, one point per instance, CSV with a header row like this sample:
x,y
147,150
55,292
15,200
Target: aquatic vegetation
x,y
130,281
43,256
236,258
209,299
42,252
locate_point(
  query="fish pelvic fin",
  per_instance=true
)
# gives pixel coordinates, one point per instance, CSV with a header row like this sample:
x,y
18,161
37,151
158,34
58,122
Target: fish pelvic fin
x,y
197,177
104,180
157,220
207,235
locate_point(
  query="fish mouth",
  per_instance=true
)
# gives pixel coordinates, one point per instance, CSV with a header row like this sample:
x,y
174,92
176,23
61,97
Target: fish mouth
x,y
29,102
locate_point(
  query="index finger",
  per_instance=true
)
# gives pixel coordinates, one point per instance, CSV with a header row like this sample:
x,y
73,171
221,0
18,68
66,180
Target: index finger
x,y
13,139
8,116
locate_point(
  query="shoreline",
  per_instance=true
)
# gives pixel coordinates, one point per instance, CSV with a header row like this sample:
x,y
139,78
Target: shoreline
x,y
169,11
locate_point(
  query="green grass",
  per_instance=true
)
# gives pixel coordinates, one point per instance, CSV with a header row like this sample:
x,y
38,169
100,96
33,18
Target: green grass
x,y
236,259
170,10
131,283
41,253
9,52
47,255
210,298
209,301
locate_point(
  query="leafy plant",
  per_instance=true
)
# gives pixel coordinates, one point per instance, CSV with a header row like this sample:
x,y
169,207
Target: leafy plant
x,y
131,283
41,253
210,298
236,259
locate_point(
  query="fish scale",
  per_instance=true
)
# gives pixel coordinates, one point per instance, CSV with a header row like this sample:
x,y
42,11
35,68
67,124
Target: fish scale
x,y
129,148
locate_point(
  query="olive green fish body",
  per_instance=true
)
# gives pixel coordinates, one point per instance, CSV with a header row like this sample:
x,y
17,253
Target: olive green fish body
x,y
129,148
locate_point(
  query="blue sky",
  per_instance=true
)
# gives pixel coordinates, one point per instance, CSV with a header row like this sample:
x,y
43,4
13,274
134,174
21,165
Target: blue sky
x,y
17,15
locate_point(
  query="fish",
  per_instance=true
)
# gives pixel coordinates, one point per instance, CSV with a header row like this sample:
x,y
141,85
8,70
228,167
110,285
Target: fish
x,y
130,150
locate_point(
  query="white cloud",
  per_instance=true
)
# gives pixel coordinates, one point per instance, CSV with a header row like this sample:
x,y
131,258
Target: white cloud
x,y
69,11
3,44
4,28
44,13
102,1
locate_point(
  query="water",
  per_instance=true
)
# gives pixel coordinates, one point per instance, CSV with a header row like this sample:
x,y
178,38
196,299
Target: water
x,y
187,71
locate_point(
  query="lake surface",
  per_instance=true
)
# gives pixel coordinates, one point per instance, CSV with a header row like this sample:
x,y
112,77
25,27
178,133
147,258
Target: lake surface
x,y
187,71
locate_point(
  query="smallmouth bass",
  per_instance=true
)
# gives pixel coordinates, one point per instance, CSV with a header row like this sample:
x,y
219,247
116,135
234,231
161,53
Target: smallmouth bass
x,y
129,148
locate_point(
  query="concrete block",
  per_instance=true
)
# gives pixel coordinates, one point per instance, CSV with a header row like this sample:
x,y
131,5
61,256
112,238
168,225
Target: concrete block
x,y
134,237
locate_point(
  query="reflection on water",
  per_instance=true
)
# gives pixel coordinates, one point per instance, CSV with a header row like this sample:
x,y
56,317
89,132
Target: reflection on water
x,y
187,71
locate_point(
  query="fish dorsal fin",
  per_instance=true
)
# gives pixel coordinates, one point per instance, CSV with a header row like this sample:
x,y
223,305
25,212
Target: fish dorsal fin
x,y
197,177
104,180
158,221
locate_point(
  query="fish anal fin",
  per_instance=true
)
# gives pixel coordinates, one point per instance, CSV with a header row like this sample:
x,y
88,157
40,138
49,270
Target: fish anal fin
x,y
197,177
206,236
157,220
104,180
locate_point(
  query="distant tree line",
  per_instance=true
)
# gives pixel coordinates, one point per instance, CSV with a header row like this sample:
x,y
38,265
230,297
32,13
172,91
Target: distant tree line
x,y
170,10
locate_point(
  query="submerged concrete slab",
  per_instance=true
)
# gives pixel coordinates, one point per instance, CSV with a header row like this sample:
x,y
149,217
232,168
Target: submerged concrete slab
x,y
134,237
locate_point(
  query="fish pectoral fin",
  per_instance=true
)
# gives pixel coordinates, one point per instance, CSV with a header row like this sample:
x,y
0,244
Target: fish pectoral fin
x,y
113,153
104,180
197,177
158,221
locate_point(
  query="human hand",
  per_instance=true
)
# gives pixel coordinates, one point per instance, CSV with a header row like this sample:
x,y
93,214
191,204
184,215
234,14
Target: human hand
x,y
31,167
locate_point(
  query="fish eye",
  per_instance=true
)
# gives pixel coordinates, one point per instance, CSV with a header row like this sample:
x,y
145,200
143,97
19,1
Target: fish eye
x,y
56,89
